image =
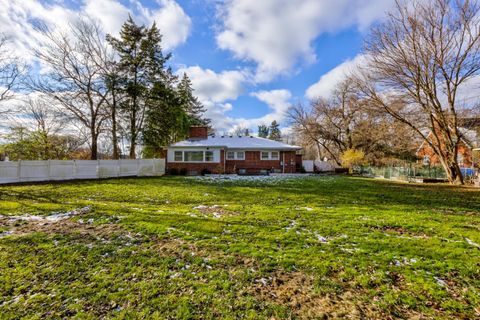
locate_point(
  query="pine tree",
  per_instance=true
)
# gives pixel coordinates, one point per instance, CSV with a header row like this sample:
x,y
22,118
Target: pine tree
x,y
192,106
142,63
166,120
263,131
275,133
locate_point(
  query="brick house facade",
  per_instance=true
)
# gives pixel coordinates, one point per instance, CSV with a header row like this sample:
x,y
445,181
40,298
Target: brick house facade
x,y
468,151
231,154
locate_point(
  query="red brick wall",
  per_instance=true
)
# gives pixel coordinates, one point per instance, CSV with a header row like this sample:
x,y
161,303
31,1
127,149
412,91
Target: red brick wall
x,y
253,161
464,150
198,133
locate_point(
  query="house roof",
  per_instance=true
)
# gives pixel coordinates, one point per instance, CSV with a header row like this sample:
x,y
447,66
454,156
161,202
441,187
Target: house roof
x,y
235,142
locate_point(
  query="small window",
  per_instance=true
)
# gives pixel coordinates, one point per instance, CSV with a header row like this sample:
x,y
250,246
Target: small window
x,y
193,156
240,155
426,160
231,155
178,156
208,156
270,155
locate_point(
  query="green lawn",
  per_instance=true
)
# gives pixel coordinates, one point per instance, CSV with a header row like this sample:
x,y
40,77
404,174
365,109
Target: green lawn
x,y
181,248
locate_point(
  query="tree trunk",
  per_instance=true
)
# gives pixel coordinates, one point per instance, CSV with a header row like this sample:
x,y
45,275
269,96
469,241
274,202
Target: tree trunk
x,y
454,174
452,170
132,149
94,147
116,153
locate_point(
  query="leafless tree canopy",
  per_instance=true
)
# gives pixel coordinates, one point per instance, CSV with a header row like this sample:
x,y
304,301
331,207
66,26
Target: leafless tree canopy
x,y
345,121
11,69
76,63
419,59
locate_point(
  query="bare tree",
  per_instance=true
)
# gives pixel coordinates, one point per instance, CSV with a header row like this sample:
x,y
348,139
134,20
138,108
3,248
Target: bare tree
x,y
11,69
345,121
419,59
42,115
329,125
75,77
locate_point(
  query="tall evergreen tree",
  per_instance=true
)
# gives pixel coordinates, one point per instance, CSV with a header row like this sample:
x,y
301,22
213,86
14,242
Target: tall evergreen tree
x,y
142,63
190,103
274,130
263,131
166,119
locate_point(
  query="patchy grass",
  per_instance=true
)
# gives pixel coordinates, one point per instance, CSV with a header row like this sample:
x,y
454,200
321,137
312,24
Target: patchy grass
x,y
183,248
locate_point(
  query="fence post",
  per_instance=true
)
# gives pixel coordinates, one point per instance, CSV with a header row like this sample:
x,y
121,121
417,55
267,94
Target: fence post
x,y
19,170
49,170
75,169
98,169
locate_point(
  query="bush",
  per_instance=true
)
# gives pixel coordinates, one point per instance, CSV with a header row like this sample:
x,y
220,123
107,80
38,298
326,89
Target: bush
x,y
205,171
302,169
183,171
351,158
173,172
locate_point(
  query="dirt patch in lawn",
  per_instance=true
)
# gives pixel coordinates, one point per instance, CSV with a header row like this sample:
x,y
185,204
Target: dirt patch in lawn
x,y
399,231
296,291
216,210
64,226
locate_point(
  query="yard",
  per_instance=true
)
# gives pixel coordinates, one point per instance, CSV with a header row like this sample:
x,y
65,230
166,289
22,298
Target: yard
x,y
183,248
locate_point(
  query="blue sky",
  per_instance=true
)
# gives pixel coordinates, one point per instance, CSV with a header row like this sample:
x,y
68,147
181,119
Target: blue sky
x,y
249,60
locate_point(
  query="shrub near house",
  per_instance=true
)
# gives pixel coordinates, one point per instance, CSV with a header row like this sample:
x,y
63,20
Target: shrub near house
x,y
203,153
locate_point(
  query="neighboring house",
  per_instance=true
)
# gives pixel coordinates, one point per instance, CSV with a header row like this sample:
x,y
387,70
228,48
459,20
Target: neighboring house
x,y
468,150
202,153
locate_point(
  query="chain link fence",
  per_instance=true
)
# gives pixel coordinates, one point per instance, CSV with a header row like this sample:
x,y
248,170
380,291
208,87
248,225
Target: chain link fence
x,y
413,172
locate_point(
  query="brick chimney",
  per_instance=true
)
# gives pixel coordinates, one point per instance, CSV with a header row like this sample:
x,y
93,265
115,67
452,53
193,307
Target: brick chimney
x,y
198,133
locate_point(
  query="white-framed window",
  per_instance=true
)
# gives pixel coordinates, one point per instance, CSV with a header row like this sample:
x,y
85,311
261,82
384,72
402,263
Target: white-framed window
x,y
269,155
235,155
178,156
194,156
208,156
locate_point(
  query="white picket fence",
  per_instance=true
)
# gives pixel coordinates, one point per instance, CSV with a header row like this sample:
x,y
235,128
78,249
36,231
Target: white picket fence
x,y
56,170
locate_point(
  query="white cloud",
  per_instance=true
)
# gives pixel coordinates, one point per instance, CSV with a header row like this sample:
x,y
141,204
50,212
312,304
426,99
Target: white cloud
x,y
217,91
279,103
173,22
325,86
277,100
109,12
278,34
19,19
215,87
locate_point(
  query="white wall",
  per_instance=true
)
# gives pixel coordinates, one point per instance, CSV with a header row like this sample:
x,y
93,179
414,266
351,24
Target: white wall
x,y
322,166
171,151
55,170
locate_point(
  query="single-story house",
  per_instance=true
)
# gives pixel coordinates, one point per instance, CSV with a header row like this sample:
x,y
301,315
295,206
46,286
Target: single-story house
x,y
204,153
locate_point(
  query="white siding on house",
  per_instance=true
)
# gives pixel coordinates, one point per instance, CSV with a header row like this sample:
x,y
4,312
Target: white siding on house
x,y
171,154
